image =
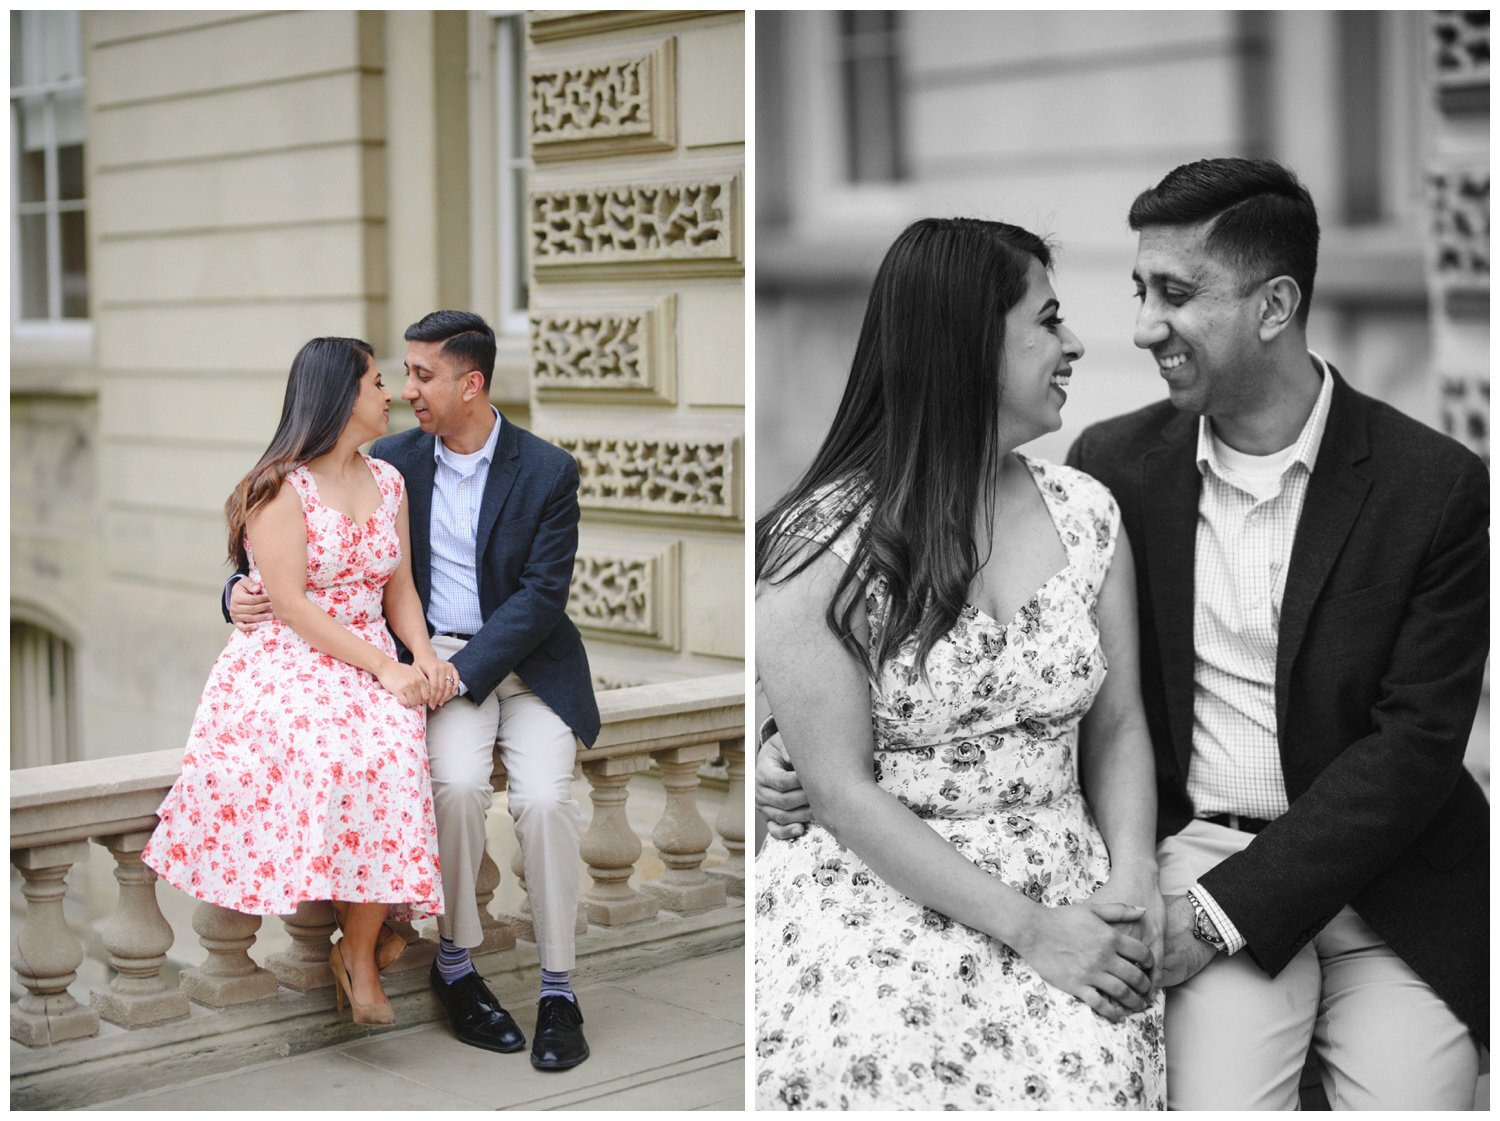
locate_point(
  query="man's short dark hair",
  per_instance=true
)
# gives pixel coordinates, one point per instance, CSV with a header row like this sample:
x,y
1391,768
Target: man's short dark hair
x,y
466,339
1265,222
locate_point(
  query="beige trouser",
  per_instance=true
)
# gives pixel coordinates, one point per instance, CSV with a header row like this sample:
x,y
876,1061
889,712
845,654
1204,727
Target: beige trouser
x,y
537,750
1237,1039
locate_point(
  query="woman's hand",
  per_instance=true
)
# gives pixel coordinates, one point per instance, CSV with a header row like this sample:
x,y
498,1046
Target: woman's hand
x,y
779,796
406,683
442,679
1137,887
1082,950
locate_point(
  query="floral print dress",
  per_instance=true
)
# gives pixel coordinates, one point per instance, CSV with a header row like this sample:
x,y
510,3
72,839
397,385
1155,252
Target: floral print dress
x,y
866,1000
303,778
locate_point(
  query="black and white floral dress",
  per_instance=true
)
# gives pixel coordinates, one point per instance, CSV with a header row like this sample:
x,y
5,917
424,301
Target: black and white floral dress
x,y
866,1000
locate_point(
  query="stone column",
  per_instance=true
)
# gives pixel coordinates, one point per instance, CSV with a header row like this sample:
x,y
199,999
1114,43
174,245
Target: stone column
x,y
682,836
46,954
730,823
610,848
228,976
137,937
304,966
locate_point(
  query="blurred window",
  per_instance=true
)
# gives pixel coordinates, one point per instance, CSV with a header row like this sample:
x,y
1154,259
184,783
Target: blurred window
x,y
513,128
870,75
49,278
43,729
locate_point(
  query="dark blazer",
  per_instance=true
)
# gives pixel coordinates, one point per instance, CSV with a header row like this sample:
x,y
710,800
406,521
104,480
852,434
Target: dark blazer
x,y
528,537
1382,646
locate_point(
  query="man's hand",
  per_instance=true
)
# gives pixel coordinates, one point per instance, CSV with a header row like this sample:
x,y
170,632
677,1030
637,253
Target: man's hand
x,y
1136,887
779,796
1185,955
249,606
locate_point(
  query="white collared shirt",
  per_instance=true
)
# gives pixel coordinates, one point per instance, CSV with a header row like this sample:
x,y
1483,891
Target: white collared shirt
x,y
1247,518
457,490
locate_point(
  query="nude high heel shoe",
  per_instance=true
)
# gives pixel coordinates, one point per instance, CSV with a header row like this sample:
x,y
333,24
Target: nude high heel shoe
x,y
379,1014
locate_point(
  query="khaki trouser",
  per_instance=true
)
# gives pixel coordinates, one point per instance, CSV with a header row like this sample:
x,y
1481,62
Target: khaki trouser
x,y
537,749
1237,1039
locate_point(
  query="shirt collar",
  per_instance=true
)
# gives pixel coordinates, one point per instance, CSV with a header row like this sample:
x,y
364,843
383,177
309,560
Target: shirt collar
x,y
442,454
1309,440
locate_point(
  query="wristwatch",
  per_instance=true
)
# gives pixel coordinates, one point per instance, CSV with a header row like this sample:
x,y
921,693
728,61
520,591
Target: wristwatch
x,y
1203,926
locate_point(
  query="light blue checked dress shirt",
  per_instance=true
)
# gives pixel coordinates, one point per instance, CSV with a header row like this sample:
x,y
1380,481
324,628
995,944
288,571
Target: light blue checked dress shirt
x,y
457,490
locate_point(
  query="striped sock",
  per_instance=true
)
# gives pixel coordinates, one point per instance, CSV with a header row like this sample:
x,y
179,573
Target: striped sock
x,y
453,961
557,984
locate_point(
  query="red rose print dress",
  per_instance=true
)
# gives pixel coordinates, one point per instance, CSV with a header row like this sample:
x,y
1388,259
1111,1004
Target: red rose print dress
x,y
303,778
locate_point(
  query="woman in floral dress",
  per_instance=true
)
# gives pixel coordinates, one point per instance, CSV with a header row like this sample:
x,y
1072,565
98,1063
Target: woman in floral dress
x,y
305,775
937,619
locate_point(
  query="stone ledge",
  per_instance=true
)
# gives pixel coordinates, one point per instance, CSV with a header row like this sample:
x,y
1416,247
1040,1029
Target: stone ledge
x,y
118,1062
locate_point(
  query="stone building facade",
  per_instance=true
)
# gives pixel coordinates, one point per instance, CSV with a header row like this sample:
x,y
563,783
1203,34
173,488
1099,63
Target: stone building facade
x,y
250,180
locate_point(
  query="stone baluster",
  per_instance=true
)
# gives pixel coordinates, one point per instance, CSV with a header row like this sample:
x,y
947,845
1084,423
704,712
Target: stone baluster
x,y
304,965
682,836
610,848
498,934
227,976
419,952
46,954
730,823
137,937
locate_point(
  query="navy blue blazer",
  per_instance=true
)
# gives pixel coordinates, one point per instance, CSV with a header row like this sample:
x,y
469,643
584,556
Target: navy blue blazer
x,y
527,541
1383,639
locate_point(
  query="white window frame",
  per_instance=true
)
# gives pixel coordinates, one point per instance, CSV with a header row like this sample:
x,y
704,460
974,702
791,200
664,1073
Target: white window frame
x,y
512,162
50,208
827,199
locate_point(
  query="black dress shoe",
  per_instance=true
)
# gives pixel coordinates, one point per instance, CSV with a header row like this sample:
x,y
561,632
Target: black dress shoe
x,y
558,1043
477,1017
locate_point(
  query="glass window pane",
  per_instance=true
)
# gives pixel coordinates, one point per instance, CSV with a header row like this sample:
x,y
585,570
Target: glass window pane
x,y
75,278
30,151
70,172
33,229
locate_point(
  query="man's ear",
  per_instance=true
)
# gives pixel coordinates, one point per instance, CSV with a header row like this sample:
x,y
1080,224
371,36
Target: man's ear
x,y
1281,296
473,384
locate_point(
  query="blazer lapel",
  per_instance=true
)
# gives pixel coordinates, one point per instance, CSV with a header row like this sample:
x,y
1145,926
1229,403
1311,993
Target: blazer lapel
x,y
1170,506
420,471
503,471
1336,493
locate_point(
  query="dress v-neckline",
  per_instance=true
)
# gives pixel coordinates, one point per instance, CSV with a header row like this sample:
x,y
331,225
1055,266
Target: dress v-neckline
x,y
1034,473
317,495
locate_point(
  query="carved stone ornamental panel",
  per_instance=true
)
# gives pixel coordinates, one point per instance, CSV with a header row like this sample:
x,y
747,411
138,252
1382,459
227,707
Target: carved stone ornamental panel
x,y
1460,201
1466,412
604,355
626,595
603,106
663,476
678,222
1461,60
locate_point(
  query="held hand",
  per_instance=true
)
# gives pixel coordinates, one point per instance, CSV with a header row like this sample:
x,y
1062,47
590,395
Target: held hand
x,y
442,680
778,792
405,682
1185,955
1082,951
1137,888
249,606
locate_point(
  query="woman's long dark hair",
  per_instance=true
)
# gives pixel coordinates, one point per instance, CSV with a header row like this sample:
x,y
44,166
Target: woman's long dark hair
x,y
915,433
320,393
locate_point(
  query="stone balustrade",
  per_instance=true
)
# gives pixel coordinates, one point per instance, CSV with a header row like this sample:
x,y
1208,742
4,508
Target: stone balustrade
x,y
57,811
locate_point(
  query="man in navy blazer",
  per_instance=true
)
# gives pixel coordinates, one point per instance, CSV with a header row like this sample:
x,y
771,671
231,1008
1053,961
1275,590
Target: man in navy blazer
x,y
1351,913
494,530
1312,584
